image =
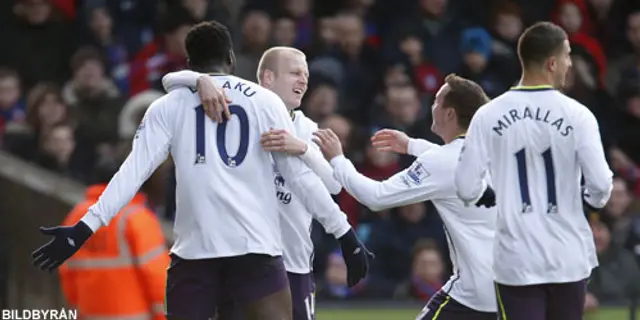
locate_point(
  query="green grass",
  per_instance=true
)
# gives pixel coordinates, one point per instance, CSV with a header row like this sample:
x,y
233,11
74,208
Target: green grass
x,y
410,314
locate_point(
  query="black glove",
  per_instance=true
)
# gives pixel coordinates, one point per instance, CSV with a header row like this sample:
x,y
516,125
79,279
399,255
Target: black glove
x,y
356,257
488,198
66,241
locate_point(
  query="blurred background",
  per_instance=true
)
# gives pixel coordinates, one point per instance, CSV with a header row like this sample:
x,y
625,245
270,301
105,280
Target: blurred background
x,y
77,75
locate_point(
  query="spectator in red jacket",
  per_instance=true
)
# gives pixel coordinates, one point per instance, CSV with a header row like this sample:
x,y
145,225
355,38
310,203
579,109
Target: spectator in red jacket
x,y
165,54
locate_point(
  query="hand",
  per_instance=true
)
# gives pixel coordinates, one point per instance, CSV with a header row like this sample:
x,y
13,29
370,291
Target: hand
x,y
66,241
356,257
488,198
590,302
214,100
329,143
281,141
391,140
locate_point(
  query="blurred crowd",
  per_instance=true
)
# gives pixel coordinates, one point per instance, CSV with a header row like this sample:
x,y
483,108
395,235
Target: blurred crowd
x,y
77,75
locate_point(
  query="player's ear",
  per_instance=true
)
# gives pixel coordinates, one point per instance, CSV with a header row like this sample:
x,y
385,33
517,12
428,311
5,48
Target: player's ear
x,y
267,77
552,64
450,113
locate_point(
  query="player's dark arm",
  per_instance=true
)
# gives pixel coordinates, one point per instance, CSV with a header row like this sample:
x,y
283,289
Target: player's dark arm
x,y
150,149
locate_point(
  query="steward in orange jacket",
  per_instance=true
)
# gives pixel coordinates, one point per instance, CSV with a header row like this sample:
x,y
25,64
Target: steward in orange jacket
x,y
121,271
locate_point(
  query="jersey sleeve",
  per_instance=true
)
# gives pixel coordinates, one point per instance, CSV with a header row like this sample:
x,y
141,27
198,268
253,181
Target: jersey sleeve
x,y
184,78
597,175
422,181
472,164
417,147
305,185
150,149
321,167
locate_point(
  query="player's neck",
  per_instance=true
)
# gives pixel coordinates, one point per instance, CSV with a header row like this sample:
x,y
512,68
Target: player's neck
x,y
452,134
531,79
213,68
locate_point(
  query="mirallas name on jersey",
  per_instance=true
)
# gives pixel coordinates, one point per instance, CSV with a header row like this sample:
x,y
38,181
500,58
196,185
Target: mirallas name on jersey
x,y
514,116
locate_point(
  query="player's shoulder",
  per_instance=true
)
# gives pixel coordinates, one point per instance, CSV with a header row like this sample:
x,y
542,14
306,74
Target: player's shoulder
x,y
576,105
303,120
442,157
575,108
175,96
242,85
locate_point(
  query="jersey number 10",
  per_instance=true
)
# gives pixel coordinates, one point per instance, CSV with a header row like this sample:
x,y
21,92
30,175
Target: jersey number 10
x,y
552,204
221,133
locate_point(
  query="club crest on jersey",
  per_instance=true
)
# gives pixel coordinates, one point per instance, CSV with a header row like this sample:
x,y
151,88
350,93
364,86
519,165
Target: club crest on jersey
x,y
416,173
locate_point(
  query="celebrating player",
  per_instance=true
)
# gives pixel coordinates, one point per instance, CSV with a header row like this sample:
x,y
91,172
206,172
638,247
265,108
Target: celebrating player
x,y
469,293
536,143
228,240
284,71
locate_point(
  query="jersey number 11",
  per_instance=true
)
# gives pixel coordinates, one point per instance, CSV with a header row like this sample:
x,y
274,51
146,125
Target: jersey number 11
x,y
221,132
552,204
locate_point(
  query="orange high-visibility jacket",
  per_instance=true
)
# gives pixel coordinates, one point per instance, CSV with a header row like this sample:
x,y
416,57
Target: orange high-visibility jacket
x,y
120,272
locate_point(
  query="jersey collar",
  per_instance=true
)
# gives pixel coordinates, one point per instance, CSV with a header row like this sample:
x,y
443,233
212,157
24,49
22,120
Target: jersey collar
x,y
461,136
292,115
532,88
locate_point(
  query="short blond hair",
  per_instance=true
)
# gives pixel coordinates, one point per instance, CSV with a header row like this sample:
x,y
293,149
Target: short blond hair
x,y
271,57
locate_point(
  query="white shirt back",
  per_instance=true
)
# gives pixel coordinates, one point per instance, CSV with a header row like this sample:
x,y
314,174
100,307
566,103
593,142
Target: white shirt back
x,y
225,204
224,177
536,142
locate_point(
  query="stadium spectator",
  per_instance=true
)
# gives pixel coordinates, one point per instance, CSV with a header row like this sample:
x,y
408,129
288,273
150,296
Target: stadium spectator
x,y
102,35
56,150
41,43
284,32
405,225
334,283
45,108
12,108
95,103
478,63
164,54
427,272
618,276
506,26
256,33
321,101
425,74
627,62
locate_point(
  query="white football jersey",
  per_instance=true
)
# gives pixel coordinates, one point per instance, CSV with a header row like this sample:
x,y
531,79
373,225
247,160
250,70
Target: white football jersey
x,y
537,143
225,204
295,217
469,230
